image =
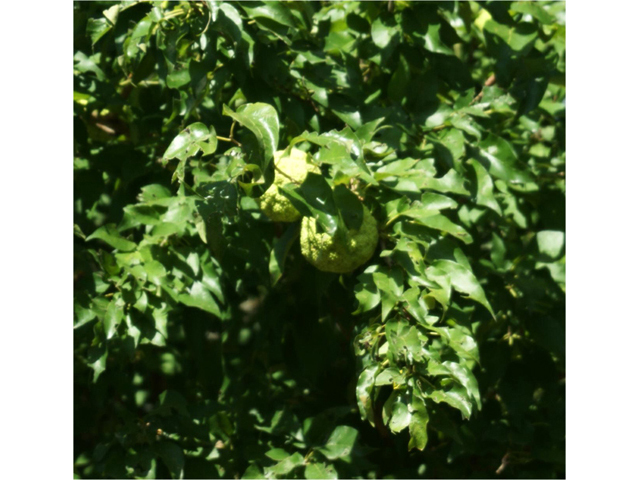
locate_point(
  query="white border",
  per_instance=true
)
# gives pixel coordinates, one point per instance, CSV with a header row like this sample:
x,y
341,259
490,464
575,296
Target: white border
x,y
603,183
36,249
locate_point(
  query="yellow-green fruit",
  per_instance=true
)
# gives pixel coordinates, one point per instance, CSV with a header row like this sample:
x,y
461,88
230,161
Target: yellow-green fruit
x,y
331,254
290,169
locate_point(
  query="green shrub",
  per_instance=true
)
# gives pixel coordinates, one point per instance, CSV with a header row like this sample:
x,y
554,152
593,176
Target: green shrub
x,y
208,345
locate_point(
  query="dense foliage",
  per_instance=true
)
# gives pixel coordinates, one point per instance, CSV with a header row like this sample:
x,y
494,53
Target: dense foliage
x,y
207,346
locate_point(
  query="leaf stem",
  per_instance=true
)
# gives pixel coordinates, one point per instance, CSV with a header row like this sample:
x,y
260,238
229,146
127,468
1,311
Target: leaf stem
x,y
174,13
392,219
225,139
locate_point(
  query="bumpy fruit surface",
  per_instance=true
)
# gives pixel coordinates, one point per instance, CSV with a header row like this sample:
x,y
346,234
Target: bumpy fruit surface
x,y
331,254
290,169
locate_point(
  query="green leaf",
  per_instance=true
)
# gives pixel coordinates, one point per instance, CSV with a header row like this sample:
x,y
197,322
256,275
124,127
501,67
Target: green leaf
x,y
279,253
389,376
110,235
464,281
262,120
277,454
519,37
97,360
111,13
431,39
83,64
397,168
113,316
484,195
429,205
136,40
499,157
467,125
286,465
456,397
83,310
443,294
390,283
550,243
366,132
77,231
173,400
155,271
340,443
382,34
407,255
451,182
404,342
417,306
314,198
320,471
196,137
443,224
253,471
454,141
153,192
364,389
418,423
438,117
399,80
465,377
97,28
276,12
172,456
461,340
198,296
178,78
398,411
350,207
532,8
366,293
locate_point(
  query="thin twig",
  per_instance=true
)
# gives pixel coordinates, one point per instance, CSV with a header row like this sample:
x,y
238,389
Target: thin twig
x,y
490,81
233,125
503,465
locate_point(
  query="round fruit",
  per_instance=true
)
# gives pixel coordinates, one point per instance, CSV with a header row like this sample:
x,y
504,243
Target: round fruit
x,y
289,169
335,254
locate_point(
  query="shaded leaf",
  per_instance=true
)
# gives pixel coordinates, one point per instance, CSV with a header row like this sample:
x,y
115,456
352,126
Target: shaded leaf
x,y
451,182
110,235
320,471
198,296
464,281
399,416
172,456
287,464
519,37
340,443
366,293
272,11
112,318
363,392
443,224
499,157
418,423
456,397
279,253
